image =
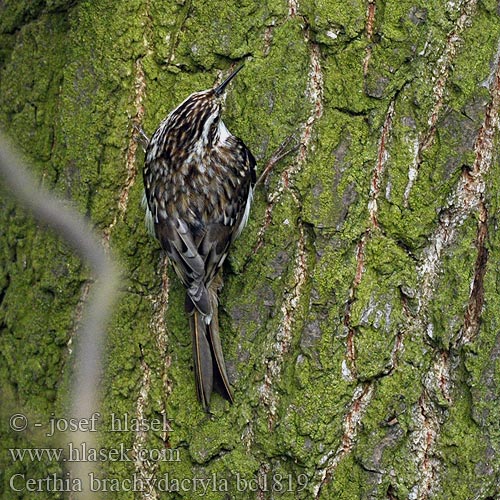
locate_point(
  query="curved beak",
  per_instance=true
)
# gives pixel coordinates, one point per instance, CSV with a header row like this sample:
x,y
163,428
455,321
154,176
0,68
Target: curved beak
x,y
220,88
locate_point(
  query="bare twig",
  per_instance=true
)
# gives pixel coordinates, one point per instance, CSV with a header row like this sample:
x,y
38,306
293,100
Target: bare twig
x,y
141,137
280,153
71,226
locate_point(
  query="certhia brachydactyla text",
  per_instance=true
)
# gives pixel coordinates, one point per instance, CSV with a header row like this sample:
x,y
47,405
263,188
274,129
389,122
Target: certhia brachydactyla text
x,y
199,181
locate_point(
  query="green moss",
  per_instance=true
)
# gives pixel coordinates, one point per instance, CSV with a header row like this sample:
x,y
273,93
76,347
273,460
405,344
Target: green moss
x,y
344,81
36,321
14,14
377,314
408,211
271,107
469,75
311,419
338,189
68,83
451,148
383,439
462,446
97,81
232,34
335,22
481,357
346,482
452,291
29,88
41,278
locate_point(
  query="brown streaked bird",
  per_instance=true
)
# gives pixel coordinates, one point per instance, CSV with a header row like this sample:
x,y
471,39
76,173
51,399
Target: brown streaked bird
x,y
199,181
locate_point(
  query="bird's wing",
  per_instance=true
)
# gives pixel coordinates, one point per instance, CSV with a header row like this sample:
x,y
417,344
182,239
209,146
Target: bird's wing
x,y
177,240
233,214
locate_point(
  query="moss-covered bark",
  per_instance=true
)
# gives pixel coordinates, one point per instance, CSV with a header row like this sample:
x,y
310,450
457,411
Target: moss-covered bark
x,y
360,310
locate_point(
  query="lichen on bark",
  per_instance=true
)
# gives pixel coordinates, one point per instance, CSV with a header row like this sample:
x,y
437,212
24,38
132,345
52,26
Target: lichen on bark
x,y
359,312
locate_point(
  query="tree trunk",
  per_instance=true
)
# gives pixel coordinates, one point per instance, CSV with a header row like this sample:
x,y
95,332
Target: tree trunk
x,y
360,311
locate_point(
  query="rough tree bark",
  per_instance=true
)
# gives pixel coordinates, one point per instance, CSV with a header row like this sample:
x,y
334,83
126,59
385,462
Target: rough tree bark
x,y
360,313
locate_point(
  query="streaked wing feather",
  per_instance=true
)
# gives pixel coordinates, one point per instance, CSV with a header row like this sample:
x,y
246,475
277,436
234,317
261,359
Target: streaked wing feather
x,y
189,265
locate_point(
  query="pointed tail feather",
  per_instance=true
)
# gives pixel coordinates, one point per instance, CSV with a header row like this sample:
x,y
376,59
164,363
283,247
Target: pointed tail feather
x,y
209,366
221,381
202,357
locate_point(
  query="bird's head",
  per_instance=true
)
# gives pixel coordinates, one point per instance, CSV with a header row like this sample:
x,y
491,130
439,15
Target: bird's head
x,y
196,123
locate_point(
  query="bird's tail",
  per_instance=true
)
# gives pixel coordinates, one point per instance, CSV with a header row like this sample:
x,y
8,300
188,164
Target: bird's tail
x,y
209,366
